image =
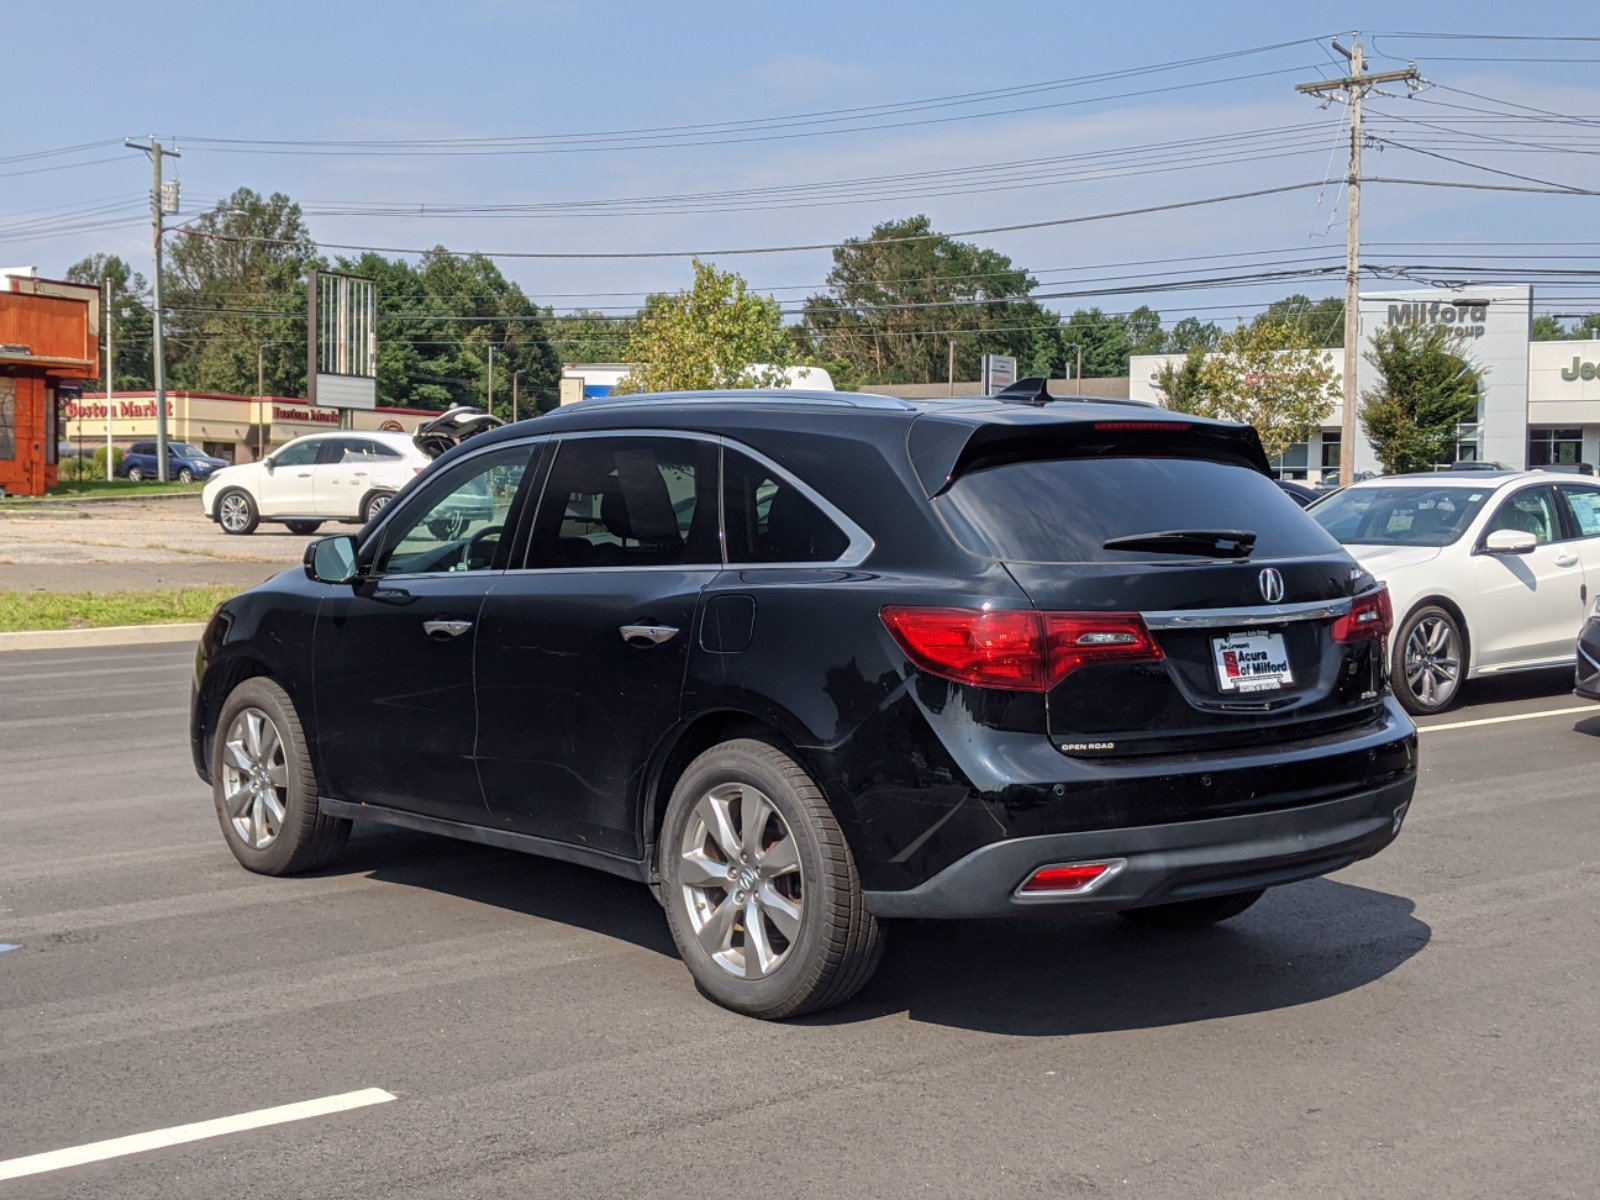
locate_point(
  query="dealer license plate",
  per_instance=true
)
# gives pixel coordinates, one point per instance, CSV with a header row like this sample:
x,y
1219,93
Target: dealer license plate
x,y
1252,662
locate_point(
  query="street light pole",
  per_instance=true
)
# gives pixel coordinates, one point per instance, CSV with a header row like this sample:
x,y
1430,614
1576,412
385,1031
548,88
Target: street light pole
x,y
110,388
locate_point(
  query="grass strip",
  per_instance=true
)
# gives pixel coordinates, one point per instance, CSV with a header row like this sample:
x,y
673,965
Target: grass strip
x,y
91,610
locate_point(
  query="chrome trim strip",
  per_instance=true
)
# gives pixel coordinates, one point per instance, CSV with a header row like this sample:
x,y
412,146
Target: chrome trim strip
x,y
1543,664
1248,616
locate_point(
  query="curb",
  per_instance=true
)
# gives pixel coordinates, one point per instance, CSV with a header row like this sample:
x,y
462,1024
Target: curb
x,y
23,503
106,635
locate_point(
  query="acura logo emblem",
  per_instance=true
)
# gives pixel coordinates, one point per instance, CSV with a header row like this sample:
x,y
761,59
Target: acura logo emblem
x,y
1271,585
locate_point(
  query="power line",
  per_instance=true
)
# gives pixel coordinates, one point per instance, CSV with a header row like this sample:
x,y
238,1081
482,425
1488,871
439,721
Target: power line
x,y
733,251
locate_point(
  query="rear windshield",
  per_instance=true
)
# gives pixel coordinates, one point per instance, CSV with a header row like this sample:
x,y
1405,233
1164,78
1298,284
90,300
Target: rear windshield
x,y
1065,510
1400,516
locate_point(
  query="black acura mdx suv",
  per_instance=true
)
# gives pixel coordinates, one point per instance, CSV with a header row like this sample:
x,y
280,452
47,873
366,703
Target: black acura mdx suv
x,y
801,662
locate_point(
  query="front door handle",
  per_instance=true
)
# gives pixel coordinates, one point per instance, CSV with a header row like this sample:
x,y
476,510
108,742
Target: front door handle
x,y
441,630
647,635
1566,560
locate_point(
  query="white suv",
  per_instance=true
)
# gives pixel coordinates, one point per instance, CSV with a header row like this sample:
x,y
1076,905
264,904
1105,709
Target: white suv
x,y
323,477
1489,571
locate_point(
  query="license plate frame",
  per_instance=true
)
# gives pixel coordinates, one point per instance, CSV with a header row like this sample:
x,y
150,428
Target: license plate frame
x,y
1251,661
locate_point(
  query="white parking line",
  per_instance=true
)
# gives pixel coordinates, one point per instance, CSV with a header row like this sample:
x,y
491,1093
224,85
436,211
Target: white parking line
x,y
1548,712
54,1160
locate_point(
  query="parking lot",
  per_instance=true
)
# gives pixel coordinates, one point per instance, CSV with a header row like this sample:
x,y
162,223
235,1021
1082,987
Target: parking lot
x,y
1423,1023
117,545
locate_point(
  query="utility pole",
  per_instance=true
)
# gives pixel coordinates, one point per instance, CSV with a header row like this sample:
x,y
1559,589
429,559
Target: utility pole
x,y
111,386
952,371
491,378
158,207
1354,88
515,375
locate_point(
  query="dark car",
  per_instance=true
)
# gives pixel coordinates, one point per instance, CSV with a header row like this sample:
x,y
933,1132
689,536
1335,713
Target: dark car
x,y
185,462
803,662
1300,493
1588,681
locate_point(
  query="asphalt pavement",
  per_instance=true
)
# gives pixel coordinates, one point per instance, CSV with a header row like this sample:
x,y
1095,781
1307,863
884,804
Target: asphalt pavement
x,y
1423,1024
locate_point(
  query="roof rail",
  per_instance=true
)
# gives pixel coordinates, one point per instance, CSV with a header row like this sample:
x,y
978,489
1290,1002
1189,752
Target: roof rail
x,y
785,395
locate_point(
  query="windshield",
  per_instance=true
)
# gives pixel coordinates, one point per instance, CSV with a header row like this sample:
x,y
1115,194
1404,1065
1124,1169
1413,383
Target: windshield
x,y
1400,516
1105,509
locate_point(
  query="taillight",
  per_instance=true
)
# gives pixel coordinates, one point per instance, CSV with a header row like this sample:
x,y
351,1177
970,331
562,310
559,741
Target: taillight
x,y
1016,649
1371,616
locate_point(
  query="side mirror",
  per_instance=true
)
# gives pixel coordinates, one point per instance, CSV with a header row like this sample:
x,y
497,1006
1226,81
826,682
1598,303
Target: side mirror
x,y
1510,541
332,559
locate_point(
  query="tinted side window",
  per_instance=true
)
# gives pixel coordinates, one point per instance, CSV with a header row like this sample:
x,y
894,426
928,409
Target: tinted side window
x,y
297,454
455,524
1531,511
1584,504
628,501
361,450
142,448
771,520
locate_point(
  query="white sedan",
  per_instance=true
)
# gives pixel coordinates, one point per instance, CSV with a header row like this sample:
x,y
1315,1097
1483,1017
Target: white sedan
x,y
322,477
1489,572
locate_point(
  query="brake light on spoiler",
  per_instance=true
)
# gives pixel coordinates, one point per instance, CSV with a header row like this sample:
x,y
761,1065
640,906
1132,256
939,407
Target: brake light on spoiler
x,y
1016,649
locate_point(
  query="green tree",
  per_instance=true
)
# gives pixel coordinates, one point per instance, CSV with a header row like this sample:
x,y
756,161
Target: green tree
x,y
584,336
715,335
1547,328
235,287
1321,321
1191,333
131,331
1425,391
1182,383
897,298
1270,375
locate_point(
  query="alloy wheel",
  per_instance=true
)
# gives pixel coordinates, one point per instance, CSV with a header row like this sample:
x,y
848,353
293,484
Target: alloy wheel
x,y
235,512
739,868
255,778
1433,661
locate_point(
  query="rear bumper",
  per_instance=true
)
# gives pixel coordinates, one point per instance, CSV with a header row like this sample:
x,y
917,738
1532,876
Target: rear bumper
x,y
1182,861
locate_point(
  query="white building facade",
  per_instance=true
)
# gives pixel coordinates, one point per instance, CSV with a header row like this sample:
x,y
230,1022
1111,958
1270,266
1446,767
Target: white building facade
x,y
1540,402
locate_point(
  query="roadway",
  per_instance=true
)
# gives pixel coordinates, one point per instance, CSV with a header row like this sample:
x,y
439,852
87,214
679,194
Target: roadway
x,y
1425,1023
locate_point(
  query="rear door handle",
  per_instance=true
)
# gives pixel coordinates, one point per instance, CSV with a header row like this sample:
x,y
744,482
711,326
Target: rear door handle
x,y
441,630
647,635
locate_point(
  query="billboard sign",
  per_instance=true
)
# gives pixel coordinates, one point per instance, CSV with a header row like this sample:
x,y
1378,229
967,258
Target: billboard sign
x,y
341,341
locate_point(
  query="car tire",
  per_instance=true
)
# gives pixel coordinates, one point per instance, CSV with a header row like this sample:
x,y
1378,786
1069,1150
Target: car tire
x,y
794,877
264,786
135,475
1194,914
303,527
373,505
1427,661
237,512
185,475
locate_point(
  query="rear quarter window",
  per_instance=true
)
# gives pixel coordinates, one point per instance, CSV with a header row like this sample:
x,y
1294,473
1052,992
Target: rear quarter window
x,y
1064,510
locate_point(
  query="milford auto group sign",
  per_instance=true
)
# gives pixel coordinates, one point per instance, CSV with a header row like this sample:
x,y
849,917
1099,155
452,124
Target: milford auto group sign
x,y
1462,318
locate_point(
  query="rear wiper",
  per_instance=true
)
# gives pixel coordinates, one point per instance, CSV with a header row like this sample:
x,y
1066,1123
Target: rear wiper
x,y
1218,543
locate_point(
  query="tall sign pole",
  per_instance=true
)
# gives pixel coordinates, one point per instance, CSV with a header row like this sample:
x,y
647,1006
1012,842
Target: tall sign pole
x,y
1353,87
110,381
158,207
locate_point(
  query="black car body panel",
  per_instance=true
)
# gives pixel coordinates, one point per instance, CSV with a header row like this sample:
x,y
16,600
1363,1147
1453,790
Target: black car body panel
x,y
545,728
1588,676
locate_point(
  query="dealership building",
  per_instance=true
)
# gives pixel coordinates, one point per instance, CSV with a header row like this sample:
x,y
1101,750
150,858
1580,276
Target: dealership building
x,y
1539,402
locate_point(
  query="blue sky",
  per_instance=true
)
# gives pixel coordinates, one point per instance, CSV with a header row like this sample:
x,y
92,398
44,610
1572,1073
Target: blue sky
x,y
499,68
